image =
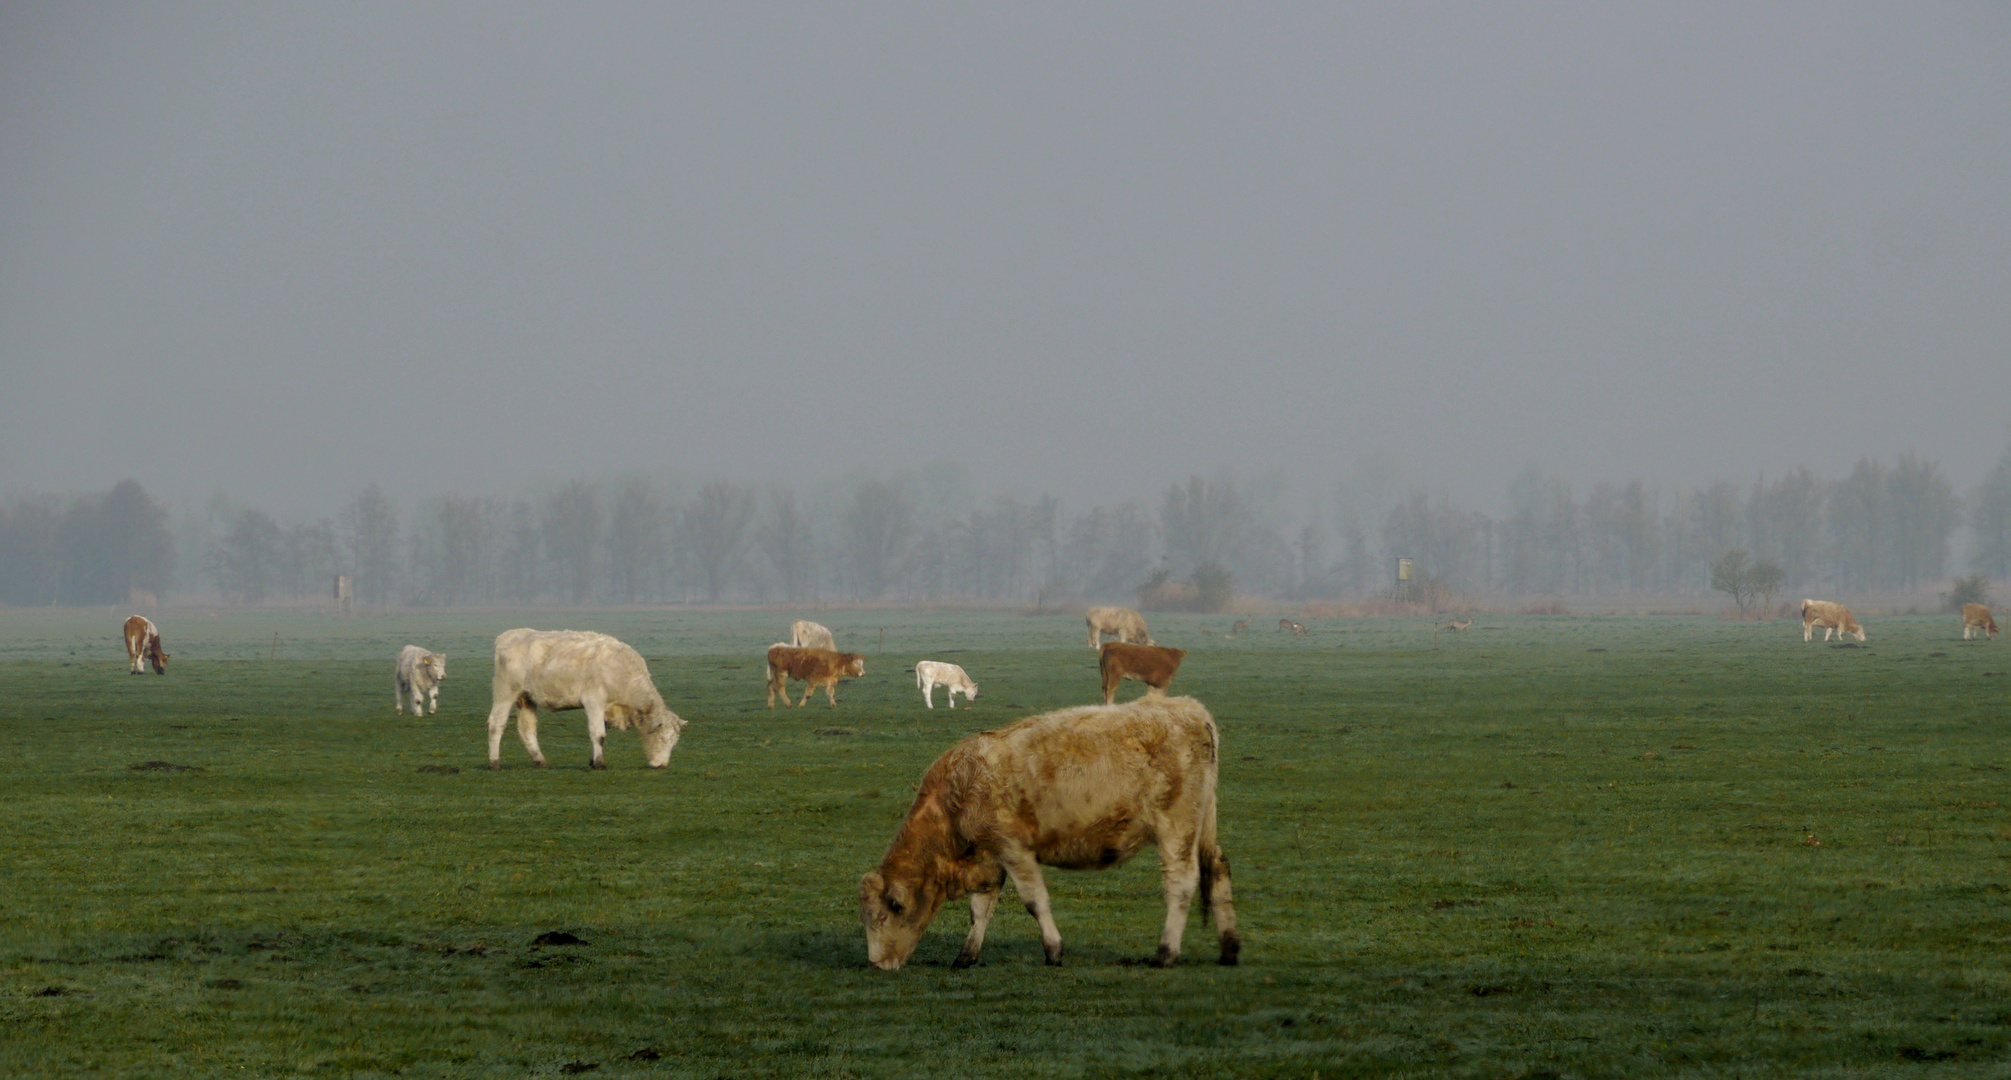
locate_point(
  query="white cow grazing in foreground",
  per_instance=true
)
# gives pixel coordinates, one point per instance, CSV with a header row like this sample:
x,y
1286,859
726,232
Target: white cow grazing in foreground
x,y
804,634
1832,617
577,669
420,674
1081,788
930,674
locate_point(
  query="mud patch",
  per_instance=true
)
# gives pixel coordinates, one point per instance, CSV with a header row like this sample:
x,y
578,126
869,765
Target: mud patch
x,y
555,937
163,766
442,770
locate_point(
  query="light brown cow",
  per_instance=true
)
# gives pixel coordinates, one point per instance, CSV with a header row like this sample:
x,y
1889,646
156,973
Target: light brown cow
x,y
804,634
1831,617
1152,665
1127,624
1081,788
577,669
1977,617
814,668
143,645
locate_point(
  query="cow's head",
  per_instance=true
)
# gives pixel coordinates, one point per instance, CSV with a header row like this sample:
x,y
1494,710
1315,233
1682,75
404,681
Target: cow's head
x,y
159,659
436,666
970,690
855,666
659,731
895,913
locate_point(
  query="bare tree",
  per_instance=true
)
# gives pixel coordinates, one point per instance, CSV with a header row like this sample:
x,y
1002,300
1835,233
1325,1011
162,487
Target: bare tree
x,y
369,527
878,524
716,531
635,540
572,535
785,538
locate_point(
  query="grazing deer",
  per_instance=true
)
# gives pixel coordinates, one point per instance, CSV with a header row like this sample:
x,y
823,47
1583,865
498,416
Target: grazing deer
x,y
1237,630
1460,624
1296,628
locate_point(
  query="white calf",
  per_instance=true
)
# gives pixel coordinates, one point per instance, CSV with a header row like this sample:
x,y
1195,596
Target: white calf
x,y
930,674
420,674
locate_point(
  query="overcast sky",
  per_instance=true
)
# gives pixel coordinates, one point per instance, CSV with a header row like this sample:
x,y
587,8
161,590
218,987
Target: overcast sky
x,y
283,250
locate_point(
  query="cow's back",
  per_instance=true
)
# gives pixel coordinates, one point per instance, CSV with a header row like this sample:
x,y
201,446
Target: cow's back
x,y
555,667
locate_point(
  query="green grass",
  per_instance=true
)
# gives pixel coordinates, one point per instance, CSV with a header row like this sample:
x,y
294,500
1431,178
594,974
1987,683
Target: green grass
x,y
1551,846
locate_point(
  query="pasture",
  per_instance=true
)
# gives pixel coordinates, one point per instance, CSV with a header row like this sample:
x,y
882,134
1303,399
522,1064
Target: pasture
x,y
1552,846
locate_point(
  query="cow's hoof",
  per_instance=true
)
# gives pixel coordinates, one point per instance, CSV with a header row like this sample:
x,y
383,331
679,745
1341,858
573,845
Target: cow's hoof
x,y
540,763
964,960
495,766
1164,958
1232,948
1054,957
600,764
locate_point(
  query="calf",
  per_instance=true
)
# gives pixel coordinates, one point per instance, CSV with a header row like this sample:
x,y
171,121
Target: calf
x,y
1127,624
1152,665
930,674
1831,617
143,645
804,634
1977,617
420,674
814,668
577,669
1081,788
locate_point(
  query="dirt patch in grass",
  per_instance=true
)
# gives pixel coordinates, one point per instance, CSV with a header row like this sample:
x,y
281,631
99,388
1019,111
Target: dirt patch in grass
x,y
163,766
442,770
555,937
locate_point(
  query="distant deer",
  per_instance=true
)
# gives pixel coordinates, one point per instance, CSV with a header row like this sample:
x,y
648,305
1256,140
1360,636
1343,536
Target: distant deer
x,y
1296,628
1460,624
1237,630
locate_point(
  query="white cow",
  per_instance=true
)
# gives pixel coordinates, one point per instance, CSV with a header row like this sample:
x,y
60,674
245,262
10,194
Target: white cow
x,y
577,669
930,674
804,634
420,674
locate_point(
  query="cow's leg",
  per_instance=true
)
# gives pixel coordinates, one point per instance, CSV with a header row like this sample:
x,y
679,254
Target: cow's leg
x,y
1217,899
929,694
527,730
596,730
1180,873
775,684
983,904
1026,879
830,692
433,699
499,718
398,695
1808,631
952,695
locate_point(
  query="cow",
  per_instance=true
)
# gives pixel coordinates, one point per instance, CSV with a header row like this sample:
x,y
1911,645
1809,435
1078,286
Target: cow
x,y
143,646
1977,617
1127,624
814,667
1082,788
1152,665
930,674
1829,616
420,674
804,634
577,669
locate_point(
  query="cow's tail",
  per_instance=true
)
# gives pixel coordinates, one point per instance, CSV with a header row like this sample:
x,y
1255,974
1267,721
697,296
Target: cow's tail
x,y
1217,901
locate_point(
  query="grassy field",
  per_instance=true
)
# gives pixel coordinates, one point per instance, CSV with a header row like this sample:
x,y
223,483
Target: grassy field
x,y
1550,846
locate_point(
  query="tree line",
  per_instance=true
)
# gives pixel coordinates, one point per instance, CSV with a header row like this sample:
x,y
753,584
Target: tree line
x,y
912,537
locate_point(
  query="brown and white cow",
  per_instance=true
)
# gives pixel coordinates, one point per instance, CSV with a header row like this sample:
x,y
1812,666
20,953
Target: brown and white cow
x,y
1152,665
1127,624
1977,617
143,646
804,634
1082,789
577,669
1832,617
812,667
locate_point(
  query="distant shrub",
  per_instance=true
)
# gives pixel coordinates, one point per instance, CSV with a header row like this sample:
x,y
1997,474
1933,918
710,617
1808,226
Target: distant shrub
x,y
1974,589
1215,588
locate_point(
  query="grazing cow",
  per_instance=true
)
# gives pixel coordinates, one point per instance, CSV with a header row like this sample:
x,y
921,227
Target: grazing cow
x,y
1127,624
1829,616
1082,788
143,644
814,668
804,634
1977,617
1152,665
1457,625
577,669
930,674
420,674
